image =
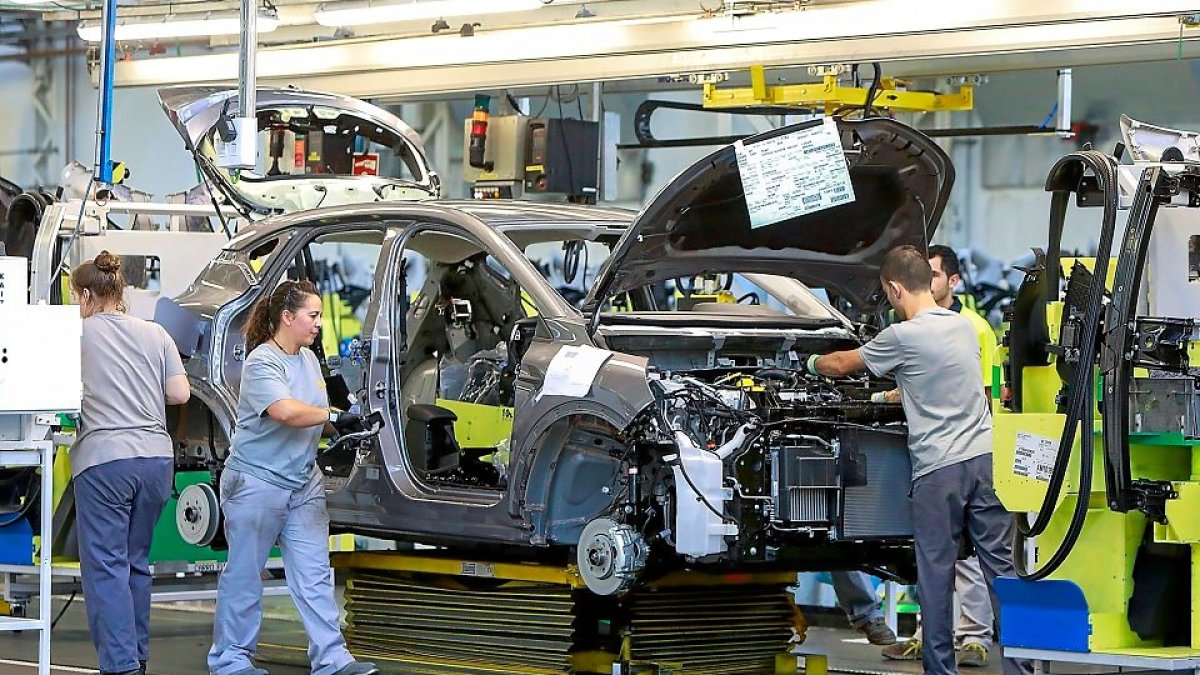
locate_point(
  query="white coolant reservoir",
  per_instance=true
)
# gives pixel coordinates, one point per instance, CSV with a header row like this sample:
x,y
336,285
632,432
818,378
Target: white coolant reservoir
x,y
701,495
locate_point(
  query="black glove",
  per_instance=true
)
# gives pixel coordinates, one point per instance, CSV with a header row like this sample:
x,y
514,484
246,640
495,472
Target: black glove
x,y
347,423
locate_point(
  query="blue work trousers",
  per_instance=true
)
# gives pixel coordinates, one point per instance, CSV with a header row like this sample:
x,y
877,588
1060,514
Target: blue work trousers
x,y
116,506
856,594
948,504
257,515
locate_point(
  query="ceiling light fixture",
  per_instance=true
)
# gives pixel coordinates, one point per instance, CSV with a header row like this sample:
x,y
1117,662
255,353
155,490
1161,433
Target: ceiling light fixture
x,y
178,26
410,11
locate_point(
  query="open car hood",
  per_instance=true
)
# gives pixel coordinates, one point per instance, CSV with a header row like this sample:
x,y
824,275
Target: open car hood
x,y
354,134
700,222
1147,142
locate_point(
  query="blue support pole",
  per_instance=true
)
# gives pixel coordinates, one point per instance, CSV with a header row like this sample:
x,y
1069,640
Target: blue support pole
x,y
108,56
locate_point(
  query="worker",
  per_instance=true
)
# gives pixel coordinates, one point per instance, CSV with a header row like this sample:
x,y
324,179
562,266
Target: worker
x,y
123,460
933,353
272,490
856,595
973,632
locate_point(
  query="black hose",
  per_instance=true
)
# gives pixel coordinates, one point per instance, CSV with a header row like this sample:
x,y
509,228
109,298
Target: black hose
x,y
1078,515
1081,401
1105,170
869,101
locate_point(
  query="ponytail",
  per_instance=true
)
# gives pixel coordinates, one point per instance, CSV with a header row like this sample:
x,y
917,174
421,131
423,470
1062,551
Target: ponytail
x,y
267,314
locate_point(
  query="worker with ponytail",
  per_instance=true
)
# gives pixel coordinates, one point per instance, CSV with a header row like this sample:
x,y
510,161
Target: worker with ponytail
x,y
272,490
122,461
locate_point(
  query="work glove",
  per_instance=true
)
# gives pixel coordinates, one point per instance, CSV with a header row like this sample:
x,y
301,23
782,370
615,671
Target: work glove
x,y
345,422
810,363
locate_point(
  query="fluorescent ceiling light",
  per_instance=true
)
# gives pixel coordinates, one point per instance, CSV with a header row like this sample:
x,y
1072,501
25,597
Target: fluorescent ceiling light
x,y
33,2
426,9
177,26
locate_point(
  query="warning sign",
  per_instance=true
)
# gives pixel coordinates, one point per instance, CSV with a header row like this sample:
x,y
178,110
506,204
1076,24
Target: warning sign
x,y
366,164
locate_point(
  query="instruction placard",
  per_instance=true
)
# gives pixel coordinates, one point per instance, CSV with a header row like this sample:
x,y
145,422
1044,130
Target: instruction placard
x,y
572,371
1034,456
794,174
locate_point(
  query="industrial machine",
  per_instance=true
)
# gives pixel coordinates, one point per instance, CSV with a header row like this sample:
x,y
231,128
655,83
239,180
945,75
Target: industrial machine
x,y
33,391
1097,424
516,155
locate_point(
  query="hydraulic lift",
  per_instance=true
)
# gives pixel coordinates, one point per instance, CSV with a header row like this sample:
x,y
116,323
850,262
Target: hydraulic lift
x,y
414,608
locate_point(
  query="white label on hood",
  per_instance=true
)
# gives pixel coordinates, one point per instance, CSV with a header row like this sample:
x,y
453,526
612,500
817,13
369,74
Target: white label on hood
x,y
794,174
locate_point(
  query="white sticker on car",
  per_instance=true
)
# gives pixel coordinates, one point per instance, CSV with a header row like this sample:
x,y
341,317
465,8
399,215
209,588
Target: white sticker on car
x,y
572,371
794,174
1034,456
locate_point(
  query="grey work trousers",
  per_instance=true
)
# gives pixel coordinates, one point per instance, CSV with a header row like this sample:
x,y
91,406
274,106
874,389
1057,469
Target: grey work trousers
x,y
856,596
947,503
975,615
257,514
116,506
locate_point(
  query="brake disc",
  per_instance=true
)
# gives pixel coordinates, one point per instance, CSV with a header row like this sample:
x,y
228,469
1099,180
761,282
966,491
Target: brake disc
x,y
610,556
197,515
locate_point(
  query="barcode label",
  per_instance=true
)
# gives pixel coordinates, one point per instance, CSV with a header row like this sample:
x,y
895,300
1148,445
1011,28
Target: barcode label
x,y
1034,456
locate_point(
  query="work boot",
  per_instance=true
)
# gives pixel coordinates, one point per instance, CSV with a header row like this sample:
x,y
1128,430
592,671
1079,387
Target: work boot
x,y
973,655
141,668
909,650
877,632
358,668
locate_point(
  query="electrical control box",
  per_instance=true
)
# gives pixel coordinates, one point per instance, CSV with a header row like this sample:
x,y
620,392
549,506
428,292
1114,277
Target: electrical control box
x,y
562,156
503,151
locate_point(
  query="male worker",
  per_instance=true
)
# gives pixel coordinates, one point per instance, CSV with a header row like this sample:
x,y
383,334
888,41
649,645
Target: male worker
x,y
973,633
934,354
856,595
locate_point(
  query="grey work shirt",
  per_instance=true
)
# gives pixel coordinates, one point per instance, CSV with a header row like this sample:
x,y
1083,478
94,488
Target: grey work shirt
x,y
262,447
935,358
126,362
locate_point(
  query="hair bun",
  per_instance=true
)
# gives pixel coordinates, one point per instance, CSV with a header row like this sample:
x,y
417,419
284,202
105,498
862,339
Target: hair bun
x,y
107,263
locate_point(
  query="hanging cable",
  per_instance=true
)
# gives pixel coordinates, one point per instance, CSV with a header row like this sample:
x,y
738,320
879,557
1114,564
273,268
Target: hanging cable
x,y
1068,174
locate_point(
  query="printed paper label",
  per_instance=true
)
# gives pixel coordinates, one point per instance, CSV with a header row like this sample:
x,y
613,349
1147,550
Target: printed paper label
x,y
1034,456
794,174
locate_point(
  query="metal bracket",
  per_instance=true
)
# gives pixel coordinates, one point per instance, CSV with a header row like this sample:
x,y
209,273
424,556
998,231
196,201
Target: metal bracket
x,y
829,95
1161,343
1150,497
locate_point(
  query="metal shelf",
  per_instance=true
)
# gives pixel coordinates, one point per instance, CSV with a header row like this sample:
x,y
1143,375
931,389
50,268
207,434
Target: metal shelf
x,y
39,454
19,458
9,623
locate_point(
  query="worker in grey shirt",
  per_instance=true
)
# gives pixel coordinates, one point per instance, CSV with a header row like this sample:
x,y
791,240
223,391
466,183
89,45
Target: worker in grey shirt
x,y
122,461
934,354
272,490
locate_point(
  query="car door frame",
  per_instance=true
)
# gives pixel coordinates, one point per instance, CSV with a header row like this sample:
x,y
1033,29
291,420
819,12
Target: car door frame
x,y
298,236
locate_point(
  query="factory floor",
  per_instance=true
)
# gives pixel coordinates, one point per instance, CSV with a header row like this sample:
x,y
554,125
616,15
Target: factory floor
x,y
182,633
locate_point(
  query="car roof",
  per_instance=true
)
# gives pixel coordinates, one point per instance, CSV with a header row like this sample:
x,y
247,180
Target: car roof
x,y
500,214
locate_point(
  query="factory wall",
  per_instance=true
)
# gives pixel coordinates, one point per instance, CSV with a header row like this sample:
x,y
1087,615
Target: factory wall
x,y
999,205
141,135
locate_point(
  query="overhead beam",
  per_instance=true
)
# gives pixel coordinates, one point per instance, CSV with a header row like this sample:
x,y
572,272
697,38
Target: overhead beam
x,y
953,37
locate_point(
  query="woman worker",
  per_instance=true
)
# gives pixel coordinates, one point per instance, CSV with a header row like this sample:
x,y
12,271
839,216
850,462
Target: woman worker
x,y
123,460
272,490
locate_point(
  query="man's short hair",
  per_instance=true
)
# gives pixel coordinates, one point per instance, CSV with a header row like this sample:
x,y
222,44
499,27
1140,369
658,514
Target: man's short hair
x,y
908,267
949,259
